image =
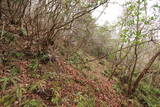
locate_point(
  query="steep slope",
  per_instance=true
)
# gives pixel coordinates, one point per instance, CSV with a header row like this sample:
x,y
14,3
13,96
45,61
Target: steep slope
x,y
29,82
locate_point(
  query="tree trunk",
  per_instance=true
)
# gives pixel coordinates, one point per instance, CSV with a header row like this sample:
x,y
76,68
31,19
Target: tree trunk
x,y
145,70
138,32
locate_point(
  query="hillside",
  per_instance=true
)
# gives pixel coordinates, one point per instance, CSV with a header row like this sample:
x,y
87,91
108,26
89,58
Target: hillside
x,y
67,53
51,81
33,80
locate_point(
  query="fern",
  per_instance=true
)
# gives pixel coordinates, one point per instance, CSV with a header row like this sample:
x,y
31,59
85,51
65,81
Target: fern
x,y
33,103
84,100
14,71
48,75
57,98
19,92
33,65
16,94
148,95
37,85
7,80
8,100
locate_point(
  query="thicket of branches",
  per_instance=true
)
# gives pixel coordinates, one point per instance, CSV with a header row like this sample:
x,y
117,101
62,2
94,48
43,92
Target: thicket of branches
x,y
44,21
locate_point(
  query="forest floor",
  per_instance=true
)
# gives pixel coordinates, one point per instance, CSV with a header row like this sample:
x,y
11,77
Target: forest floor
x,y
31,78
26,81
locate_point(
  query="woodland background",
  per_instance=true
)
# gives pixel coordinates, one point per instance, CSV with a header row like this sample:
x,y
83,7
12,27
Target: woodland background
x,y
53,54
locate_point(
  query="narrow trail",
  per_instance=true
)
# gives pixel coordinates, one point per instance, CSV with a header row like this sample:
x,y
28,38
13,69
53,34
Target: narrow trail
x,y
105,87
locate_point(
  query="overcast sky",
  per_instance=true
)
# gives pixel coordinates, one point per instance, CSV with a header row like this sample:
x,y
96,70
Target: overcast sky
x,y
112,12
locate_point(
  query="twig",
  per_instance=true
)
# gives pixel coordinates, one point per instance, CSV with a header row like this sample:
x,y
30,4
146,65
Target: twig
x,y
74,18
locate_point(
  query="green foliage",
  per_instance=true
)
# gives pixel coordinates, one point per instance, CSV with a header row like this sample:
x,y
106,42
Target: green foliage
x,y
8,99
8,37
43,57
84,100
37,85
57,98
18,55
156,6
33,103
15,70
77,60
7,81
148,95
135,16
107,72
49,75
117,87
23,32
111,56
14,95
19,92
34,75
33,65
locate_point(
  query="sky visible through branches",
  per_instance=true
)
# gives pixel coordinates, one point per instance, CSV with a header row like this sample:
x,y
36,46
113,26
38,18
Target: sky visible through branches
x,y
114,10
